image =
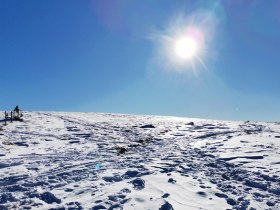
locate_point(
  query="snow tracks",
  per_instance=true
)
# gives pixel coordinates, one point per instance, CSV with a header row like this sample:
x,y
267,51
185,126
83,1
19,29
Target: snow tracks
x,y
107,161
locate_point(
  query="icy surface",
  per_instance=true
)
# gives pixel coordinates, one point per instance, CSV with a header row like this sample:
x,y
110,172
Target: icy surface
x,y
107,161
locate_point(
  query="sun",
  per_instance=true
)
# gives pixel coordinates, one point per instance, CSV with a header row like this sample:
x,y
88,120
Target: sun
x,y
185,47
186,43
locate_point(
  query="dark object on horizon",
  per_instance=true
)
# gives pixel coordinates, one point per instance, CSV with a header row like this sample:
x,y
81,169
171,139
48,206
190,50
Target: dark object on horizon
x,y
147,126
16,109
17,114
6,117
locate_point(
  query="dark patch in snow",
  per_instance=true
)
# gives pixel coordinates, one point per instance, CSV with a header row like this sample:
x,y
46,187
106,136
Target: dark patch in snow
x,y
113,198
49,198
112,178
125,190
4,165
74,142
203,194
147,126
3,207
141,141
121,150
115,206
245,157
23,144
83,135
270,203
190,123
59,208
125,200
166,206
68,190
221,195
242,141
165,169
165,195
275,190
231,202
74,205
7,197
170,180
130,174
256,184
12,180
16,188
138,184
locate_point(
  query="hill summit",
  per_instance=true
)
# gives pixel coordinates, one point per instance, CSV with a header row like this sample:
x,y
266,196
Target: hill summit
x,y
55,160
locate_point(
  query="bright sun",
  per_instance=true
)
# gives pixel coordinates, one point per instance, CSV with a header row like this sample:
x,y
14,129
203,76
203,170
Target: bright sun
x,y
186,47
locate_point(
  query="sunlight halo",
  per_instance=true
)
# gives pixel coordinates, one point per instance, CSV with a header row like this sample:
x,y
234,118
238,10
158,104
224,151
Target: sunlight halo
x,y
186,47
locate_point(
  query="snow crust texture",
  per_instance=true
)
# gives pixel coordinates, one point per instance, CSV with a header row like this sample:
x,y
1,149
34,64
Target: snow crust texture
x,y
107,161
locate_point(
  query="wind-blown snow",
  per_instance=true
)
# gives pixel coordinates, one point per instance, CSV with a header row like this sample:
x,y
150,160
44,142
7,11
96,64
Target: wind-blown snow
x,y
108,161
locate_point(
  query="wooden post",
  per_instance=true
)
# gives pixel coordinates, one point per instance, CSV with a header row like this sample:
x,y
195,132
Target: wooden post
x,y
5,118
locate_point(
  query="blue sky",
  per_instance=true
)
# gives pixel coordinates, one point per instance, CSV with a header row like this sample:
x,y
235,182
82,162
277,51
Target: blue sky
x,y
106,56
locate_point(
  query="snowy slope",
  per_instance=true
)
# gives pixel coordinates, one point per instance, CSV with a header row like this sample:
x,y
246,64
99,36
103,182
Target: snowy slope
x,y
107,161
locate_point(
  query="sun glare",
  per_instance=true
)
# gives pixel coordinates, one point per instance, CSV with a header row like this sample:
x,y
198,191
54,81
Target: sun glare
x,y
185,43
186,47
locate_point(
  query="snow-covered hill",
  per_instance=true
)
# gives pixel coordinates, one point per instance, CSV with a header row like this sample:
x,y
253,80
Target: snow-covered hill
x,y
107,161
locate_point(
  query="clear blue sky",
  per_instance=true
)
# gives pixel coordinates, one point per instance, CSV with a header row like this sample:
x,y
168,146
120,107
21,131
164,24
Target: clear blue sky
x,y
103,56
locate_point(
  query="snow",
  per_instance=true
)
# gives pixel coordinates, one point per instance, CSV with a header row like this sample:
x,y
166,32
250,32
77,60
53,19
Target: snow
x,y
94,161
